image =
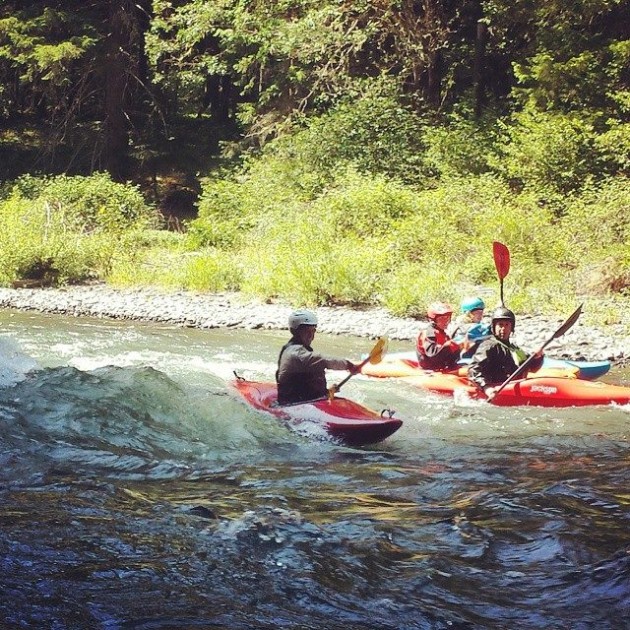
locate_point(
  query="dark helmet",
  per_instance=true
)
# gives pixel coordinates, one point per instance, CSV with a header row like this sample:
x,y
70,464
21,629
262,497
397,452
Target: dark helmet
x,y
503,313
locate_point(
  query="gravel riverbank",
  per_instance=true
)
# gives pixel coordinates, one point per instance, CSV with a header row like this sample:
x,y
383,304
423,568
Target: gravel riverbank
x,y
235,311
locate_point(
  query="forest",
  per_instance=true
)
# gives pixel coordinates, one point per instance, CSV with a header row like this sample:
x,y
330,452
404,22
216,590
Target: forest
x,y
360,152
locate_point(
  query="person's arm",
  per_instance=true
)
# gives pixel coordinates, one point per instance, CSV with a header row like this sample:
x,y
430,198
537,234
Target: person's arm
x,y
537,360
431,348
316,361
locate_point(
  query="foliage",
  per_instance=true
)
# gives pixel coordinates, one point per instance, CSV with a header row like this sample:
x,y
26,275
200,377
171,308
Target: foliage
x,y
552,153
39,245
377,147
207,270
412,286
597,226
93,203
303,256
374,130
460,145
614,146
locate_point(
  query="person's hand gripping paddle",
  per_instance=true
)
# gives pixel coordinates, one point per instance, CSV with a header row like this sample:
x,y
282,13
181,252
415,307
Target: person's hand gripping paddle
x,y
375,356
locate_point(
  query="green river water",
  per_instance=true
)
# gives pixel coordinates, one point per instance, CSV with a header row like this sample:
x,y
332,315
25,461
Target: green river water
x,y
138,492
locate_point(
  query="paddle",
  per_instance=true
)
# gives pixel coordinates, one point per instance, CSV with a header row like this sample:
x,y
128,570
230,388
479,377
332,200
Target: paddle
x,y
501,262
521,368
375,356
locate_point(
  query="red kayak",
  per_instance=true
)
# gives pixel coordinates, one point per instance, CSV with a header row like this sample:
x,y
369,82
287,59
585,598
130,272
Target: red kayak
x,y
344,419
542,391
561,392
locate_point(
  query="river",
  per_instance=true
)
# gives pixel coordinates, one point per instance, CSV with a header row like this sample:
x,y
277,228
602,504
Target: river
x,y
139,492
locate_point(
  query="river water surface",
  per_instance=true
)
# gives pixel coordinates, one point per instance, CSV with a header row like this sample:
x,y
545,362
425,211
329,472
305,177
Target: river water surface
x,y
138,492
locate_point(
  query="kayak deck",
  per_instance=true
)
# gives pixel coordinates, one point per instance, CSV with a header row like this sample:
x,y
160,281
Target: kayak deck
x,y
344,419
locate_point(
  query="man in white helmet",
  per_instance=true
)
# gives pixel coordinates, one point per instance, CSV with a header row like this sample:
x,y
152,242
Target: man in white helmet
x,y
301,371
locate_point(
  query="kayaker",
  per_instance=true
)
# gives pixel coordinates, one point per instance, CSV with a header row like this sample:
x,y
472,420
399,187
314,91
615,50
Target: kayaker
x,y
434,346
301,371
497,357
468,326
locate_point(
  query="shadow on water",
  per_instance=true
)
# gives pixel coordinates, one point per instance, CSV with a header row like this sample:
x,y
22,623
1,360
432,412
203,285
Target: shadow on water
x,y
139,492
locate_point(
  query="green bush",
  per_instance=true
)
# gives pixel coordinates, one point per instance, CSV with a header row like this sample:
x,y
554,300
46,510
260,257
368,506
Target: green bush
x,y
596,228
373,129
89,203
614,145
212,271
302,256
37,244
364,206
548,152
209,270
412,287
462,146
223,215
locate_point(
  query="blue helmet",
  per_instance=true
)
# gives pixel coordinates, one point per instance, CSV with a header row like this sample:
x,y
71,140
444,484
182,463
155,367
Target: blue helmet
x,y
472,304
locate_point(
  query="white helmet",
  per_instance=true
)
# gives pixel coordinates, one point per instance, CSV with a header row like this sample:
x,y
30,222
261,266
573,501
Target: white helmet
x,y
302,318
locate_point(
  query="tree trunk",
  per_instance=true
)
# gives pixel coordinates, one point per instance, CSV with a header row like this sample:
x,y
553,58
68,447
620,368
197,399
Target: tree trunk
x,y
116,80
434,80
479,69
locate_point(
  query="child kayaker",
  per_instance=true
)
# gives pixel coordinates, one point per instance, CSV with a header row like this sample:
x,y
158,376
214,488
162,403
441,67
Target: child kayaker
x,y
301,371
434,346
468,326
497,357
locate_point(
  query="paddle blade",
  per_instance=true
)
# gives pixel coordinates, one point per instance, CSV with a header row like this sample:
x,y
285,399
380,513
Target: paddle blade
x,y
375,356
501,259
570,321
378,351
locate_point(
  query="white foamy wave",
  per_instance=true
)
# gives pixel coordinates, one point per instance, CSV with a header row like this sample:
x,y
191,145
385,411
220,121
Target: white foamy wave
x,y
14,363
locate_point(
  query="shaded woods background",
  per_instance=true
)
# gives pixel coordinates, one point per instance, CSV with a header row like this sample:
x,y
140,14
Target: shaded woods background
x,y
411,134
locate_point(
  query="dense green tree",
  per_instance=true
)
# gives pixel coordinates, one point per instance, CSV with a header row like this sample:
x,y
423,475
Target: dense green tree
x,y
79,71
109,81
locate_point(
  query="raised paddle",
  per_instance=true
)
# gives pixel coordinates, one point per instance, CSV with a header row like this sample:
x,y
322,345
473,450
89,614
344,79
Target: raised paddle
x,y
375,356
521,368
502,262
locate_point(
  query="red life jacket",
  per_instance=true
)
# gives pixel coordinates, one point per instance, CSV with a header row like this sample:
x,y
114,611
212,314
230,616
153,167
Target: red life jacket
x,y
436,350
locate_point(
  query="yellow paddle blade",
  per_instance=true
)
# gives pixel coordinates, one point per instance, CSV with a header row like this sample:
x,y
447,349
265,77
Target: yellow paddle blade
x,y
376,354
379,350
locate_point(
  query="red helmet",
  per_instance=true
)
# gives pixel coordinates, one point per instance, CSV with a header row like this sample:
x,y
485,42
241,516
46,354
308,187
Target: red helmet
x,y
438,308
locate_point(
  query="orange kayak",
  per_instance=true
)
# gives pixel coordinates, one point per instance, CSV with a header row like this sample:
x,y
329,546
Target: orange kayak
x,y
405,364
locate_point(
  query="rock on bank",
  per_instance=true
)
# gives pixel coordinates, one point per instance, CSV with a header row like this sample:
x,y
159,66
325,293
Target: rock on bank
x,y
235,311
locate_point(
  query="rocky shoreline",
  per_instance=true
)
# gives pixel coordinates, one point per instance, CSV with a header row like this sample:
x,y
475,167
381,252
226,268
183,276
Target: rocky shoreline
x,y
235,311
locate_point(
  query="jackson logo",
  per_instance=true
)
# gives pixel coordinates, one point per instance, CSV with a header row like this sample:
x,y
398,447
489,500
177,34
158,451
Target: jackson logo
x,y
544,389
